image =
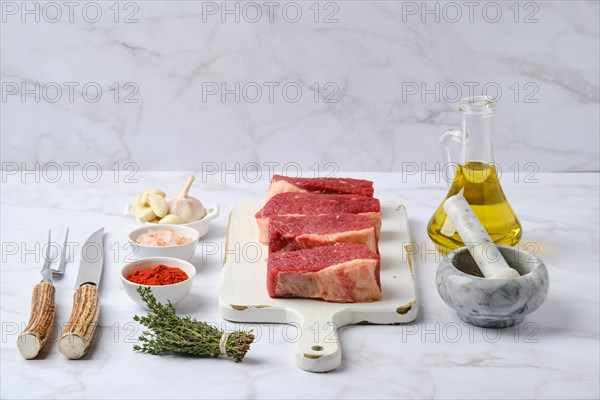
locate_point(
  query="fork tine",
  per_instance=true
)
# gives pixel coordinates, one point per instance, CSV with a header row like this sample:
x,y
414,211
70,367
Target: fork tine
x,y
61,266
47,258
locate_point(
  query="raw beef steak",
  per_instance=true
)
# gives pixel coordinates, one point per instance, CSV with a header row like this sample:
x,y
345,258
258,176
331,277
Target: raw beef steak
x,y
284,184
288,233
342,273
317,204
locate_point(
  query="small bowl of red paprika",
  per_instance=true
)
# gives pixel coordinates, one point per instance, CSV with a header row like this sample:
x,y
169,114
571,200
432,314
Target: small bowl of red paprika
x,y
169,278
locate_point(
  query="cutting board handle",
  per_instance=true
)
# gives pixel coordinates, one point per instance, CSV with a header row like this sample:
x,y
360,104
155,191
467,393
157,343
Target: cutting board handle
x,y
318,349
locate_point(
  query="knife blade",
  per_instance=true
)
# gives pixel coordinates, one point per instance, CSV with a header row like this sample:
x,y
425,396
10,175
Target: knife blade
x,y
79,331
92,260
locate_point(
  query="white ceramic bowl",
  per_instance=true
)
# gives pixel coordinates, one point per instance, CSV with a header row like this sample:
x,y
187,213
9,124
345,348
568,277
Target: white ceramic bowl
x,y
174,293
200,226
184,251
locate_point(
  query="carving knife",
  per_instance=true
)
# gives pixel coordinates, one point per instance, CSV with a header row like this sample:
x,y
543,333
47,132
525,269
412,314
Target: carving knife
x,y
79,331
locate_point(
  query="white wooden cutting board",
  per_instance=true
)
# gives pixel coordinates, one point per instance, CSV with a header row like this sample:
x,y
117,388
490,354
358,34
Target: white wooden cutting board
x,y
244,298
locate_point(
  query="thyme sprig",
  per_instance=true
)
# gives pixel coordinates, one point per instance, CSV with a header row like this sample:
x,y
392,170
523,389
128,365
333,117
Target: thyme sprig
x,y
168,333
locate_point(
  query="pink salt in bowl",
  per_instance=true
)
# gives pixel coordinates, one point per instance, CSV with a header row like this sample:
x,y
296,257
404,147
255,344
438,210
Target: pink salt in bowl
x,y
184,251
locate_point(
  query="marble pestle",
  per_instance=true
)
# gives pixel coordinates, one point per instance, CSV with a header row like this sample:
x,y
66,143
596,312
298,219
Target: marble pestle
x,y
490,261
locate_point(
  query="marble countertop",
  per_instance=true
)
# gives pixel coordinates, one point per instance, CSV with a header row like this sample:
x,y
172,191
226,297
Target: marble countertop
x,y
552,354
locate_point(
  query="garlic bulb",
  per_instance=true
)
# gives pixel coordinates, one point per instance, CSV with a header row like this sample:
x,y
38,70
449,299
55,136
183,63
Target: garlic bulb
x,y
187,208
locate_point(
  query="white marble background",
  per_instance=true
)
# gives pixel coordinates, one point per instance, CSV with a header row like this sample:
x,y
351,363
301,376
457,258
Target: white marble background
x,y
547,52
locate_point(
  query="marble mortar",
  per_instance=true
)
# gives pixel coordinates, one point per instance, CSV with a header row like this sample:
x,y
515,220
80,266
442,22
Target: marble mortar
x,y
492,303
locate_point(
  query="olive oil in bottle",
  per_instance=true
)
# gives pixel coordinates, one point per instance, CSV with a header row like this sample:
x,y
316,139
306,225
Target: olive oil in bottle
x,y
476,179
478,182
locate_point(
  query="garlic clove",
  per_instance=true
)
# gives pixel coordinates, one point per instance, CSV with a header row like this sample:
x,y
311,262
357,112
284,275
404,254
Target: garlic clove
x,y
138,202
158,204
171,219
145,214
148,193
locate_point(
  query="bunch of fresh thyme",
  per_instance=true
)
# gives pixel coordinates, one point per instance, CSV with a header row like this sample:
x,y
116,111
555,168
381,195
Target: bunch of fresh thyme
x,y
169,334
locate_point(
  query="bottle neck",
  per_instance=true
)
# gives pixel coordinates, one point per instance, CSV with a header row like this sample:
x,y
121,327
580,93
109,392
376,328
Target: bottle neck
x,y
477,138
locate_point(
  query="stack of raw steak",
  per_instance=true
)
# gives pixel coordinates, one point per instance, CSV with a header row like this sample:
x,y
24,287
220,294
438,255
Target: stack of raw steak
x,y
322,235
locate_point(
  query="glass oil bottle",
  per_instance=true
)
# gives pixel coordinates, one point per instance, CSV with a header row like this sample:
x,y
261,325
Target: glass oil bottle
x,y
477,179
